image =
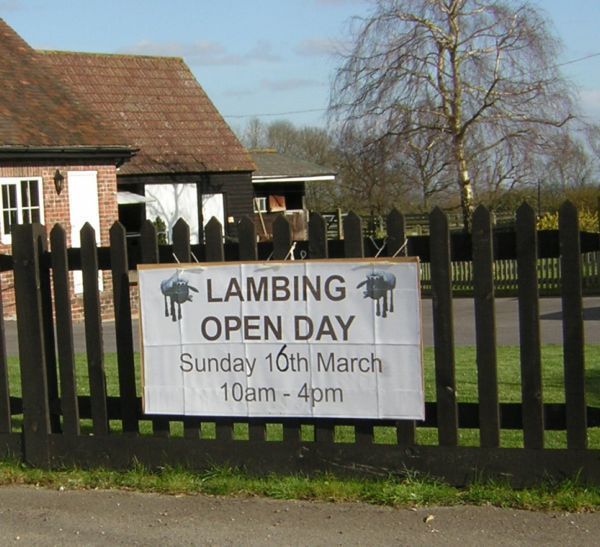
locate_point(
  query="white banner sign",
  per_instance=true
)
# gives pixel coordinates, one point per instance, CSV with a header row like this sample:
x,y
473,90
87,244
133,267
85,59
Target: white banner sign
x,y
311,338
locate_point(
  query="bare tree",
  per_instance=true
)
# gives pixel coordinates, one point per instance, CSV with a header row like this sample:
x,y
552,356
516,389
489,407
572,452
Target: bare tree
x,y
481,74
253,135
371,173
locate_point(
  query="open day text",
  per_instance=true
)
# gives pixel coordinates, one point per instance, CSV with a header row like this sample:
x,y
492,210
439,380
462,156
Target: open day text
x,y
277,288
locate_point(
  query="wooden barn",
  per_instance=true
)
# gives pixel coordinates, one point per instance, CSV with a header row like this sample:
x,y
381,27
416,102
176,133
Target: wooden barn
x,y
190,164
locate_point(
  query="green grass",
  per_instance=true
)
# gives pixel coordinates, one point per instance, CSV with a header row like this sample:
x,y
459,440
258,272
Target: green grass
x,y
509,390
410,491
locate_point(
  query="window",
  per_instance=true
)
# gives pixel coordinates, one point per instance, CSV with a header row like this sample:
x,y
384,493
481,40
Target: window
x,y
20,203
260,205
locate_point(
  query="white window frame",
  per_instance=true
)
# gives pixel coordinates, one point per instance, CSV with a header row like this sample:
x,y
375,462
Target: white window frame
x,y
260,205
16,181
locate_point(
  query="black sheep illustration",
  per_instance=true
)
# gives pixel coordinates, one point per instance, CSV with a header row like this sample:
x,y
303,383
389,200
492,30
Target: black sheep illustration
x,y
177,291
378,284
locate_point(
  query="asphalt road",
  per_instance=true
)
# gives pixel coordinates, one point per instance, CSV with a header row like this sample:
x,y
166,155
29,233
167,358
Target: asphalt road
x,y
507,324
36,516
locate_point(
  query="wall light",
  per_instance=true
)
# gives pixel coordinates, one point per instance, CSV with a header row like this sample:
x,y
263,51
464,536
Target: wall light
x,y
59,181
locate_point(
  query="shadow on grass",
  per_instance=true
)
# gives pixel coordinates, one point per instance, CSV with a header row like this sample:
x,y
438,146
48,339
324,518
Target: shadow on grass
x,y
592,387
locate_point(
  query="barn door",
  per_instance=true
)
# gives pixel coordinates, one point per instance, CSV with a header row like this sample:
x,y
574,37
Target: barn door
x,y
213,206
170,202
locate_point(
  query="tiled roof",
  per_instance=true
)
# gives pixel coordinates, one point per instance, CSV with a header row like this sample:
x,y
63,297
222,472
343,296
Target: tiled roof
x,y
270,163
36,112
158,105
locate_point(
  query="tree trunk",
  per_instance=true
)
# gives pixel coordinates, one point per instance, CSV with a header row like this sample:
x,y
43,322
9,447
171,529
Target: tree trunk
x,y
465,186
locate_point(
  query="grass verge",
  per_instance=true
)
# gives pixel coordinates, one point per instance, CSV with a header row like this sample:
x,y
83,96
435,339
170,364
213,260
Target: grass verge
x,y
408,492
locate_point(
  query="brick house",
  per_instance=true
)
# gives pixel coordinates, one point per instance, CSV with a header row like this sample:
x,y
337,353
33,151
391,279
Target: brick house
x,y
96,138
58,161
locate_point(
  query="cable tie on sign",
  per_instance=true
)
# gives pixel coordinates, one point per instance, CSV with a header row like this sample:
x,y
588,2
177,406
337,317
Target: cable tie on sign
x,y
403,246
176,259
379,249
194,257
270,256
290,253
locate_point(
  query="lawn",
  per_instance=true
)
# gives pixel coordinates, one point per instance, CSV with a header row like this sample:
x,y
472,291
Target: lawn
x,y
466,384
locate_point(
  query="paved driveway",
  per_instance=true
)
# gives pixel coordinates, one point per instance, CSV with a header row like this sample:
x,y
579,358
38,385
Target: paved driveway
x,y
35,516
507,324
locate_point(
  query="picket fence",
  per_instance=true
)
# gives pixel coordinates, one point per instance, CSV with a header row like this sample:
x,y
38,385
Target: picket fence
x,y
49,420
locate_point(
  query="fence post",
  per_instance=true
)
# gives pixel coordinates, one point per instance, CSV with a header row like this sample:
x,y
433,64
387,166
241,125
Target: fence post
x,y
397,245
123,328
354,248
282,245
93,330
485,328
215,252
29,242
573,337
317,248
64,336
149,250
529,329
5,415
248,250
443,328
183,253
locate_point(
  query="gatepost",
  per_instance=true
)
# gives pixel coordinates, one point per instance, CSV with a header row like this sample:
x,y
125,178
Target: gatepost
x,y
29,242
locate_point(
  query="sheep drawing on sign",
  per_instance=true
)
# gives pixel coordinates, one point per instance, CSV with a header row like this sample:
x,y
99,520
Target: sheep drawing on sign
x,y
377,286
176,291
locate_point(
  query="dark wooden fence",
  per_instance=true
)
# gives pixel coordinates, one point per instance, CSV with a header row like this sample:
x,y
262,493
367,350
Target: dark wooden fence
x,y
504,270
64,423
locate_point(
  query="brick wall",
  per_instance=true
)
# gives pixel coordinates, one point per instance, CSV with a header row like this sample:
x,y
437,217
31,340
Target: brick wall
x,y
56,210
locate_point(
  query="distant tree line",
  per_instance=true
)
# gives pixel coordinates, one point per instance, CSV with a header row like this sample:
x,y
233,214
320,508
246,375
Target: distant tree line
x,y
374,176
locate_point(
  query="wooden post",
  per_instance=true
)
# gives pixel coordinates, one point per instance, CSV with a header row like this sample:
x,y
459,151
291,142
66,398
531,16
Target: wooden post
x,y
573,338
317,248
396,237
183,253
93,330
354,247
529,329
443,328
282,244
485,329
29,241
248,250
64,335
5,413
149,250
123,328
216,253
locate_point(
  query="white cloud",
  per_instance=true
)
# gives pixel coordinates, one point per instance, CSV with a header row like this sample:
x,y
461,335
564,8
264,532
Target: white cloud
x,y
204,52
289,84
590,103
262,52
239,93
11,5
319,47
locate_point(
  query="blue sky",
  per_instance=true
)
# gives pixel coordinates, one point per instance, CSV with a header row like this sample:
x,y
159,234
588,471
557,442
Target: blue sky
x,y
266,58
